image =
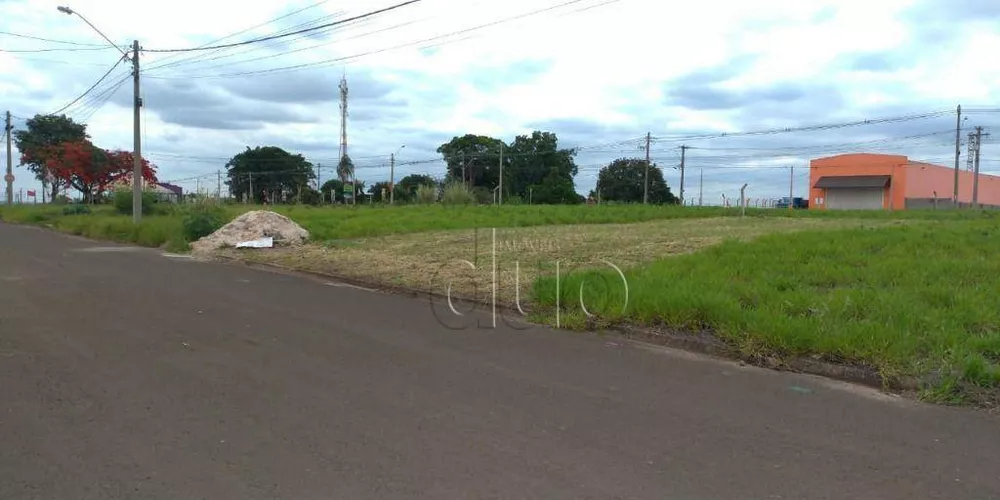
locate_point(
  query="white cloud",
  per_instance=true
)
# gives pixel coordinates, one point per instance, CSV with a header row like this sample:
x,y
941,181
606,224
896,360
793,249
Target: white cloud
x,y
599,76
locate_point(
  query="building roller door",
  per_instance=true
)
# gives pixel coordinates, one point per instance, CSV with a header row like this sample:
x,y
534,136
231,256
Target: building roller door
x,y
854,198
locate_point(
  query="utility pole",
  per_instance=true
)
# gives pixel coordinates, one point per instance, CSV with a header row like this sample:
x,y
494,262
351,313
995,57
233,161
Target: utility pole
x,y
218,186
645,183
958,151
683,149
10,172
136,139
392,178
975,178
251,197
319,177
791,187
701,185
500,198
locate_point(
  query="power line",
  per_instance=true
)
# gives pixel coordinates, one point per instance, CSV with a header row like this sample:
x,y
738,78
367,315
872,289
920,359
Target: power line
x,y
336,60
120,59
50,40
271,21
282,35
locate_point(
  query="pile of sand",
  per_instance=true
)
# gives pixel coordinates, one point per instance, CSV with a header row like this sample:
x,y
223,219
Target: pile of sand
x,y
251,226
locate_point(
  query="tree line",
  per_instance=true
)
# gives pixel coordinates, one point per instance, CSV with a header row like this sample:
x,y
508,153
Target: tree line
x,y
530,169
60,154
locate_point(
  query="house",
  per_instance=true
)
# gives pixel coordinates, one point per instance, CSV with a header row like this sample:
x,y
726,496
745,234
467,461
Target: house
x,y
893,182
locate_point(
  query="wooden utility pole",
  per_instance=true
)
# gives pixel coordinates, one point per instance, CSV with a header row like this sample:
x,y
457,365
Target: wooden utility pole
x,y
683,150
645,183
958,152
10,172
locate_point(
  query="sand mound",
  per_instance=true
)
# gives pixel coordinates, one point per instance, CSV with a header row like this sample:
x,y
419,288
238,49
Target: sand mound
x,y
251,226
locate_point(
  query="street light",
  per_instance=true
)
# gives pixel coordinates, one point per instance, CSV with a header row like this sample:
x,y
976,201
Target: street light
x,y
136,104
392,175
70,12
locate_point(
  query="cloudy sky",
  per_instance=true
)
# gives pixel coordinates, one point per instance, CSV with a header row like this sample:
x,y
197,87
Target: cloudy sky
x,y
601,74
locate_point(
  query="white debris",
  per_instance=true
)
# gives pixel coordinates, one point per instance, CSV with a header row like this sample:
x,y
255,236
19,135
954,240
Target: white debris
x,y
251,226
261,243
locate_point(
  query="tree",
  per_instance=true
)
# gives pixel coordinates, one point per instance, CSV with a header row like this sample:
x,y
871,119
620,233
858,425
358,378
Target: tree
x,y
345,169
474,159
406,188
43,133
623,180
271,171
538,165
90,169
332,189
376,191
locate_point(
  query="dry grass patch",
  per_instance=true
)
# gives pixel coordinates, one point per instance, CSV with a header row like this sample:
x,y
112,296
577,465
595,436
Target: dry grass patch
x,y
464,258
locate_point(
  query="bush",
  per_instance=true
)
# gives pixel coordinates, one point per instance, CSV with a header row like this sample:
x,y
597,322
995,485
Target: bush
x,y
426,195
457,193
76,209
122,200
202,218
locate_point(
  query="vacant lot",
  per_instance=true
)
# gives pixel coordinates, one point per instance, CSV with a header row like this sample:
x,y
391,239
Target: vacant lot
x,y
463,259
917,299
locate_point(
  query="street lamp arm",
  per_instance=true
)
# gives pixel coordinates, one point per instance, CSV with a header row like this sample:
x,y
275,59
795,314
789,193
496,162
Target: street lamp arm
x,y
69,11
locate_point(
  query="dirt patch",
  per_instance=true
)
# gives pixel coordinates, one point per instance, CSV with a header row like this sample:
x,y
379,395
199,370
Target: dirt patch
x,y
463,260
251,226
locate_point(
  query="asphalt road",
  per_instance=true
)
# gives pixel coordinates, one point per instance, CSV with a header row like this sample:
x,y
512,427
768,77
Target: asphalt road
x,y
127,374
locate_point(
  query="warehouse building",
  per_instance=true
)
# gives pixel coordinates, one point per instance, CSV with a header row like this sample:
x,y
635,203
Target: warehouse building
x,y
892,182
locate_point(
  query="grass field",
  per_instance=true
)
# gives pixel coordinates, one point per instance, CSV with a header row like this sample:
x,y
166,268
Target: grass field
x,y
336,223
915,299
463,259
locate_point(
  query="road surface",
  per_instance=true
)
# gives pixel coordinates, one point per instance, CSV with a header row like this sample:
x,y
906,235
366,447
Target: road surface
x,y
128,374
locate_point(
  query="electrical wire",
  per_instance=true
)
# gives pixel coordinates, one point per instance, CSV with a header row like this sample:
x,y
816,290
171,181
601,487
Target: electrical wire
x,y
337,60
50,40
164,64
98,82
282,35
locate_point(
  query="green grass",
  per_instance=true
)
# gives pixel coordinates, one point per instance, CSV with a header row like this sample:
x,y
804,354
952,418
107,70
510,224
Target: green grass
x,y
915,299
339,222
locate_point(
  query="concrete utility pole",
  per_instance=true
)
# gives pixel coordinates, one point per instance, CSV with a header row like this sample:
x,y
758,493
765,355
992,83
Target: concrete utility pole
x,y
218,186
500,199
251,198
683,150
10,172
645,183
791,187
392,175
958,151
975,178
701,185
319,178
136,139
743,201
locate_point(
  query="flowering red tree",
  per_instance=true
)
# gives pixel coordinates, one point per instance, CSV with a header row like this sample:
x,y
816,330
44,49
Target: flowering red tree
x,y
90,169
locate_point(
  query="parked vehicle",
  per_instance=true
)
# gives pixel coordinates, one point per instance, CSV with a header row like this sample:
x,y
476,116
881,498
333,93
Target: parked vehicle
x,y
796,203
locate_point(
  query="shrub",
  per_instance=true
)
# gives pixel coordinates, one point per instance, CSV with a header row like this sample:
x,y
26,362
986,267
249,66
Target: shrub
x,y
122,200
76,209
426,195
457,193
202,218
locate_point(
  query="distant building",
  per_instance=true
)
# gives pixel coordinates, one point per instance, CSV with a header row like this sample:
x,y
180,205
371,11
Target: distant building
x,y
892,182
167,192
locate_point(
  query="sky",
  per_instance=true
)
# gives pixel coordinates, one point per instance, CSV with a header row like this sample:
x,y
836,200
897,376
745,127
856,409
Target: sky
x,y
600,74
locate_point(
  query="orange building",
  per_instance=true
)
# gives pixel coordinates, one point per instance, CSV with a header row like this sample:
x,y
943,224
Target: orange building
x,y
892,182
